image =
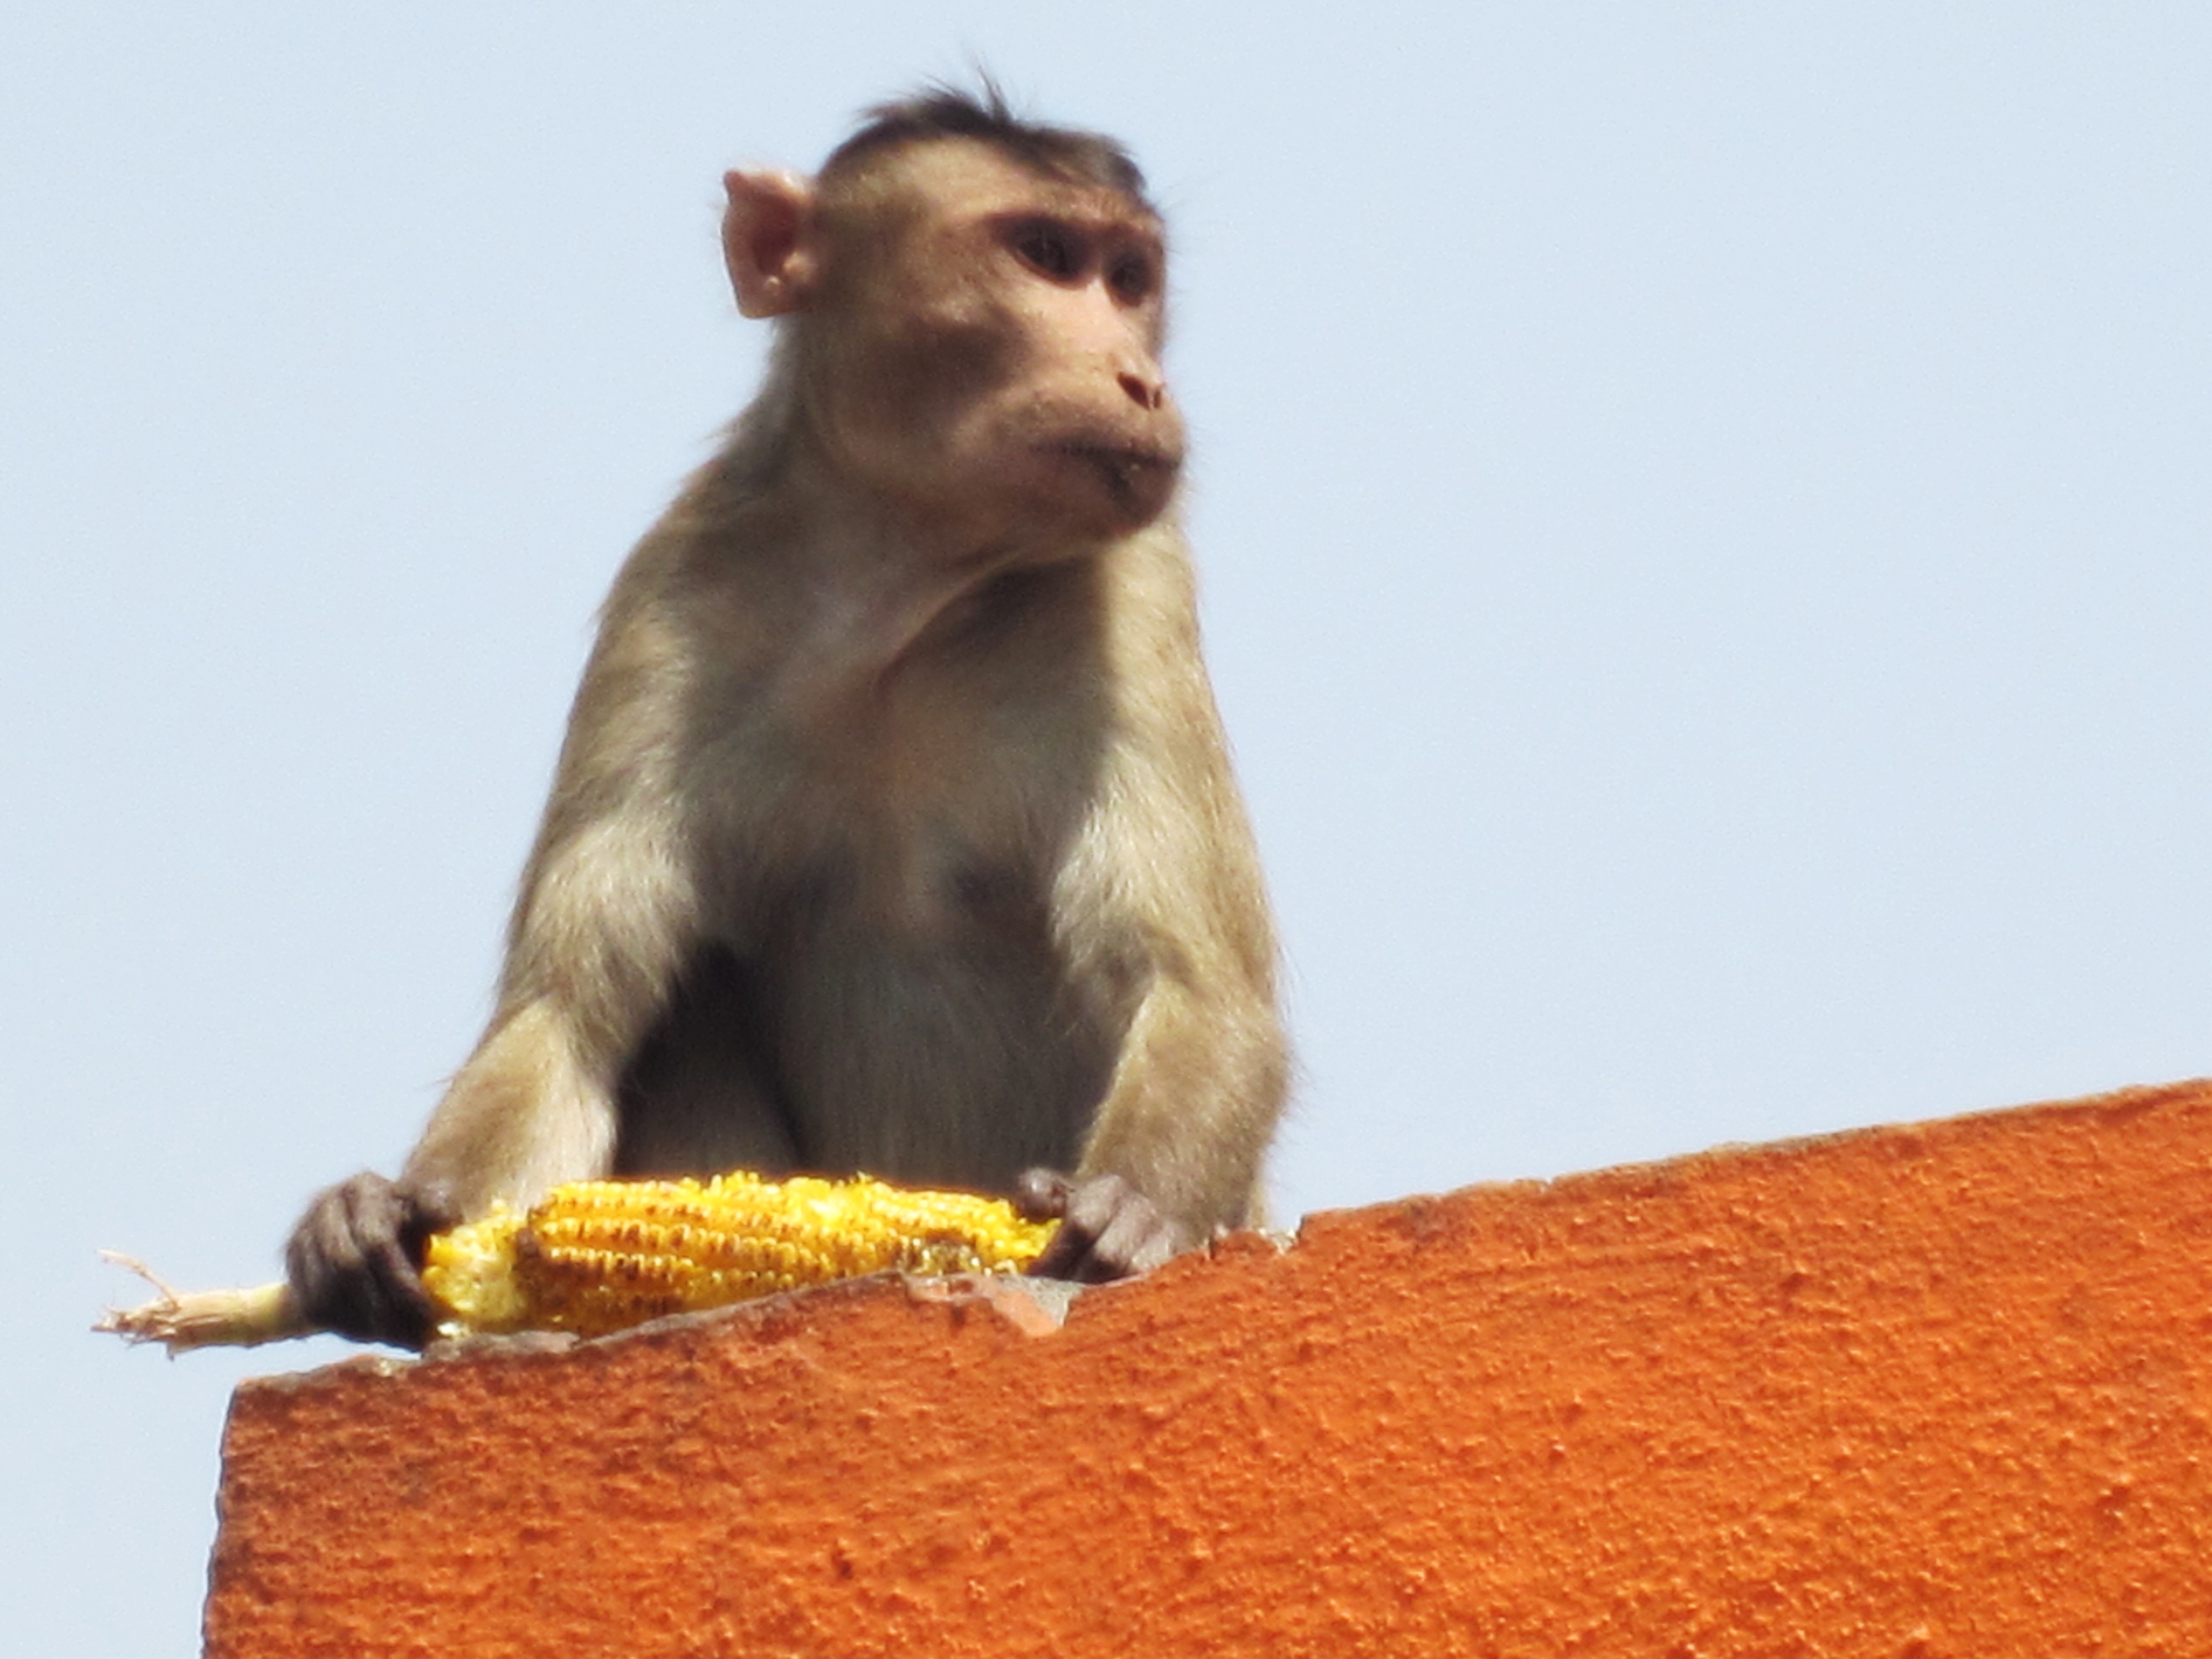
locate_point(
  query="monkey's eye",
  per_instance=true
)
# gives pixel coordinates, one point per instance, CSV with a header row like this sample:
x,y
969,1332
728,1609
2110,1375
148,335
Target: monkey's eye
x,y
1049,249
1132,279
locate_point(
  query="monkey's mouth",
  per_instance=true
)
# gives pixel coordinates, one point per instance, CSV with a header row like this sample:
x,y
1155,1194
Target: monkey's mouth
x,y
1130,472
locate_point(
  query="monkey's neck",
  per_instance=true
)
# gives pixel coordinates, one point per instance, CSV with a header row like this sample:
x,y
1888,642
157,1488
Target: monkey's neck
x,y
862,589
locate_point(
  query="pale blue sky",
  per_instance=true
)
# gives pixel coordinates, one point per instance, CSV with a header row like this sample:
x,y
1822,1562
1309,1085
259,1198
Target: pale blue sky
x,y
1703,513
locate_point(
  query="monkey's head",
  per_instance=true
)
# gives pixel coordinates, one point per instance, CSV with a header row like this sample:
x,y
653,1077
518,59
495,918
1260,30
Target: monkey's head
x,y
977,307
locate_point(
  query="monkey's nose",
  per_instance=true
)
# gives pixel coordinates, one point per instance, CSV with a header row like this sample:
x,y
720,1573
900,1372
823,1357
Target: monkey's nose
x,y
1145,394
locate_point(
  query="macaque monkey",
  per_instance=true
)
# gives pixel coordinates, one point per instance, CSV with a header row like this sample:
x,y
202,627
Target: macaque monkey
x,y
894,829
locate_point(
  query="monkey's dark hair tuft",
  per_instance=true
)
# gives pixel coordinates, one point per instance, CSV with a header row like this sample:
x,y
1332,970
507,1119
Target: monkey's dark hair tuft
x,y
940,110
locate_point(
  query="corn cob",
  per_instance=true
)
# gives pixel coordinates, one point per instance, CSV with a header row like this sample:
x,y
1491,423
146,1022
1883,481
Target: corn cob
x,y
596,1256
601,1254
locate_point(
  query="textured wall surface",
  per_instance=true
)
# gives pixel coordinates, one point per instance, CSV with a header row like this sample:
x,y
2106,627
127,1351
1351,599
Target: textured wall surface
x,y
1937,1390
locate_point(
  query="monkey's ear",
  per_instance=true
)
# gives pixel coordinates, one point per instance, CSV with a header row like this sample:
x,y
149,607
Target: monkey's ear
x,y
768,241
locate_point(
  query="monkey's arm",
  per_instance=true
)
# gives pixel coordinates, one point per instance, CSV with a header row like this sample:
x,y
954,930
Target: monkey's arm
x,y
1165,884
607,913
1175,1152
605,921
605,918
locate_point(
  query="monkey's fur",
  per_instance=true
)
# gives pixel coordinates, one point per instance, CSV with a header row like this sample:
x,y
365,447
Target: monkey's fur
x,y
894,830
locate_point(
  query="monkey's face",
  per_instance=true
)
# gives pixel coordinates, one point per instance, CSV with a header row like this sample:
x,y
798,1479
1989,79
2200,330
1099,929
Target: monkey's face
x,y
985,350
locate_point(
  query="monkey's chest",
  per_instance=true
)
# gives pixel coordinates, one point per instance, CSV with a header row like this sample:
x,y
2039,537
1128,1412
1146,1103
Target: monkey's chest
x,y
914,1011
929,893
915,835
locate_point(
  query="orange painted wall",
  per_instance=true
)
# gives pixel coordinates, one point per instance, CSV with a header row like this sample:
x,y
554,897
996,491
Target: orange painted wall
x,y
1927,1391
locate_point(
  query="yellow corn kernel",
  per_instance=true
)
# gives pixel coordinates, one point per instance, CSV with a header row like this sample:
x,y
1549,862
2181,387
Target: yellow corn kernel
x,y
598,1255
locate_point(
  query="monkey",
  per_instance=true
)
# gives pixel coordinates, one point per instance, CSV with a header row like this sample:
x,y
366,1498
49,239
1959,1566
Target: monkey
x,y
894,830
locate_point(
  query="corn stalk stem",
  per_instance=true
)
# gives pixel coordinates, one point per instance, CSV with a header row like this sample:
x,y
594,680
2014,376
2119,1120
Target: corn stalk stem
x,y
180,1320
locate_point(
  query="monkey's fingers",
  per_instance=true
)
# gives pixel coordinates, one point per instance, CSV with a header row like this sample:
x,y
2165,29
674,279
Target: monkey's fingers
x,y
1041,1194
351,1263
1045,1195
1083,1209
1107,1229
398,1309
1137,1239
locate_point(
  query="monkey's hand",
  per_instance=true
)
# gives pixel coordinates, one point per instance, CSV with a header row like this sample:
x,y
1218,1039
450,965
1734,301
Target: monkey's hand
x,y
1108,1228
354,1259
